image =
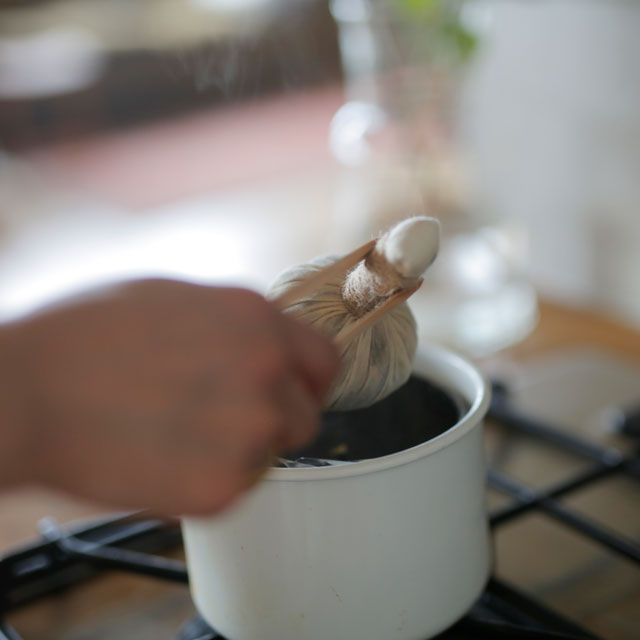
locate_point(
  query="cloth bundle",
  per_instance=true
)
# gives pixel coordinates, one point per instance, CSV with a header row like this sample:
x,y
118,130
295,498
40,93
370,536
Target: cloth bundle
x,y
379,359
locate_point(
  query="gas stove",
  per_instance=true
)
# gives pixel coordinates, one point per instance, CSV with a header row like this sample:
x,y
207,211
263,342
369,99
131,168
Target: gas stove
x,y
66,558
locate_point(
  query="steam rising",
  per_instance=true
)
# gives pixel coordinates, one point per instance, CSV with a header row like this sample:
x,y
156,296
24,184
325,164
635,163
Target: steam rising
x,y
274,45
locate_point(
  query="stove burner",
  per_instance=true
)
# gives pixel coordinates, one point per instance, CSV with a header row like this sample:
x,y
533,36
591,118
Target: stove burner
x,y
198,629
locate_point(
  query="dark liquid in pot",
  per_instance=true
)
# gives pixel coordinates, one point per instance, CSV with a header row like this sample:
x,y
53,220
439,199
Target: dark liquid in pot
x,y
415,413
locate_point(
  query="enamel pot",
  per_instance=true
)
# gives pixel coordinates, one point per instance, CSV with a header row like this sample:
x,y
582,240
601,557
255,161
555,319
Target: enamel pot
x,y
393,548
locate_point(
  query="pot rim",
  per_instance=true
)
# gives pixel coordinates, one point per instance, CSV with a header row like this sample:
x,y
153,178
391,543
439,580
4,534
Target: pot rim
x,y
442,364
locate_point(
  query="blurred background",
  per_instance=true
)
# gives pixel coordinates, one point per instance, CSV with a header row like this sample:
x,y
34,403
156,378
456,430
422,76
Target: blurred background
x,y
221,140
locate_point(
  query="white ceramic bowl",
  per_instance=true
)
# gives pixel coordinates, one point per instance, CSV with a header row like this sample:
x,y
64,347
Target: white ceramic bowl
x,y
393,548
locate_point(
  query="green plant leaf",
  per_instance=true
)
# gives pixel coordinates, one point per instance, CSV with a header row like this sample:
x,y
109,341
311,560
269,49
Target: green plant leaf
x,y
460,39
422,8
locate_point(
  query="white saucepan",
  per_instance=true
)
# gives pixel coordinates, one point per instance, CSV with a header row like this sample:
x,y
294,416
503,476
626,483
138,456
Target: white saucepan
x,y
393,548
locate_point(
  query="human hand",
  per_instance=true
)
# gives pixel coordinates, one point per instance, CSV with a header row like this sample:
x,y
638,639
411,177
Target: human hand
x,y
158,394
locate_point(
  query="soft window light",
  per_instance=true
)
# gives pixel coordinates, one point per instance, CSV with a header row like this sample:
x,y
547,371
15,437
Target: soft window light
x,y
51,62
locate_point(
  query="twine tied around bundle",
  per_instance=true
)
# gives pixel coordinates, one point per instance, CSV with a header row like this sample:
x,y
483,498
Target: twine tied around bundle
x,y
379,359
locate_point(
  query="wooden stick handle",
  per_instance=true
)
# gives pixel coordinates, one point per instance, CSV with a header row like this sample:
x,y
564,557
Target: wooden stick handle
x,y
351,331
310,284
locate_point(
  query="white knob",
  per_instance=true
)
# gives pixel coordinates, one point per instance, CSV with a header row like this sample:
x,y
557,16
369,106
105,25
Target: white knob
x,y
412,245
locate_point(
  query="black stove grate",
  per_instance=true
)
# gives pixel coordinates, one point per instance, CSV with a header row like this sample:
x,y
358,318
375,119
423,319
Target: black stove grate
x,y
64,557
605,461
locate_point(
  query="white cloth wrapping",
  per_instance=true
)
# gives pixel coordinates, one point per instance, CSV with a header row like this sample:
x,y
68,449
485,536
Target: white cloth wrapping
x,y
377,361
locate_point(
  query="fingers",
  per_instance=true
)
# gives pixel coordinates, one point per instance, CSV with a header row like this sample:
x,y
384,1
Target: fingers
x,y
300,411
312,357
315,357
226,448
285,419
